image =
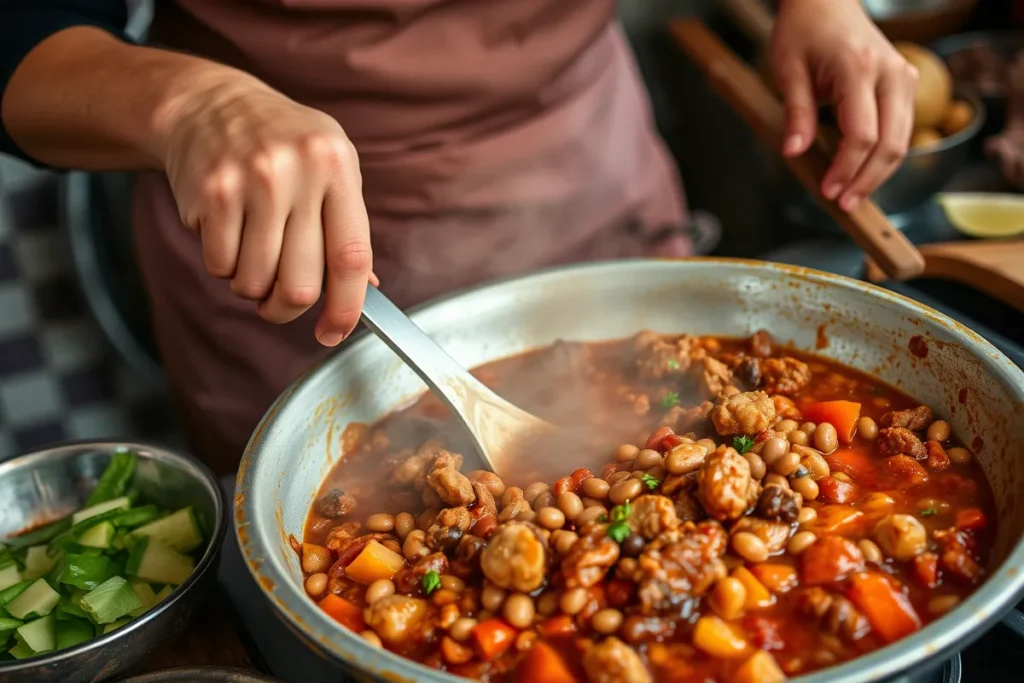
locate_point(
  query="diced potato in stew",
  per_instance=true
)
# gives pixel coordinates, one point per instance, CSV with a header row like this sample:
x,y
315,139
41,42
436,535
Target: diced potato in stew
x,y
752,513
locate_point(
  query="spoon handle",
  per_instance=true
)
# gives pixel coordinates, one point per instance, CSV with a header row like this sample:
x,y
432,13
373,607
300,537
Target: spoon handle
x,y
446,378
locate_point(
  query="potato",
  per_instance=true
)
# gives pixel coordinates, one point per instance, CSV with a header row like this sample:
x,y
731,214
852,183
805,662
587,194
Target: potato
x,y
934,85
374,562
924,137
958,116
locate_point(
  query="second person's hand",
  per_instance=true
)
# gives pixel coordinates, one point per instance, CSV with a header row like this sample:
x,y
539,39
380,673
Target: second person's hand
x,y
273,190
830,51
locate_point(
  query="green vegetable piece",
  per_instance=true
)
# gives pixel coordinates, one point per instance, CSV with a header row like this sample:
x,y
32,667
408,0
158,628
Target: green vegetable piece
x,y
71,632
146,595
37,562
39,635
619,529
164,593
98,536
431,582
39,536
6,557
8,594
116,478
928,512
21,651
115,504
110,601
670,399
10,576
742,444
7,624
672,364
650,481
152,561
179,531
136,517
37,600
114,626
70,608
88,571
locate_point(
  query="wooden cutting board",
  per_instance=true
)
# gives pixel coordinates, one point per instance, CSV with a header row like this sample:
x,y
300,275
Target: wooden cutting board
x,y
995,267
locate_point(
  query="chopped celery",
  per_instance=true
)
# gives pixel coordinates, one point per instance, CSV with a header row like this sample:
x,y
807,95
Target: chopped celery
x,y
98,536
7,624
71,632
9,576
21,651
37,562
136,517
146,596
110,601
39,635
152,561
88,571
115,479
70,608
8,594
115,625
37,600
109,508
179,531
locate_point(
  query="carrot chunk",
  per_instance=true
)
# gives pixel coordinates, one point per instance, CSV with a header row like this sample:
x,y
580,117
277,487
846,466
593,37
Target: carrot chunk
x,y
970,519
842,415
343,612
543,665
888,611
492,638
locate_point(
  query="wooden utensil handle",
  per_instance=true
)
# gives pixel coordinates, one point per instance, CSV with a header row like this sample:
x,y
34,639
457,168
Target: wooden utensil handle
x,y
747,94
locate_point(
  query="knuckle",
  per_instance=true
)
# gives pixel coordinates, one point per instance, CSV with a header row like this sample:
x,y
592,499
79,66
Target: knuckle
x,y
863,58
269,164
862,139
351,257
219,265
893,151
220,184
249,289
300,296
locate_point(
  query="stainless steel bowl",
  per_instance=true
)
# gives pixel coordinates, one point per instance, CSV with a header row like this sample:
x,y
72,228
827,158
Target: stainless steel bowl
x,y
206,674
962,376
921,21
50,484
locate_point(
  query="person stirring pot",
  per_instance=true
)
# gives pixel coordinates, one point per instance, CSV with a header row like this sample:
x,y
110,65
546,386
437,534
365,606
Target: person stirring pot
x,y
290,151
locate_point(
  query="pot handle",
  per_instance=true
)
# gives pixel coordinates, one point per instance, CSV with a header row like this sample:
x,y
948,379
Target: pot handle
x,y
747,94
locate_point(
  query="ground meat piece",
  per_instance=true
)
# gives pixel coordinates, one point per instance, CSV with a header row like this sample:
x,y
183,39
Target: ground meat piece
x,y
750,412
466,562
688,508
516,505
712,376
658,357
409,579
938,459
451,486
829,559
836,615
415,467
901,441
761,344
448,528
447,460
905,468
724,485
779,504
341,534
774,535
612,661
680,565
955,557
590,558
515,557
914,419
399,620
335,503
683,420
652,515
484,500
784,375
748,373
785,408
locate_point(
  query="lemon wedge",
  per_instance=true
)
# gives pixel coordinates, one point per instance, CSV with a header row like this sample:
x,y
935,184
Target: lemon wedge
x,y
984,214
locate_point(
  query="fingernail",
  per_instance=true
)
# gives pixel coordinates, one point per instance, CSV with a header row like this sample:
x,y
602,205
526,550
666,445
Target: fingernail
x,y
832,191
330,339
793,144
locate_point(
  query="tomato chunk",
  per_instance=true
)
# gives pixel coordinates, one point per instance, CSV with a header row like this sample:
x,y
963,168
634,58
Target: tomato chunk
x,y
842,415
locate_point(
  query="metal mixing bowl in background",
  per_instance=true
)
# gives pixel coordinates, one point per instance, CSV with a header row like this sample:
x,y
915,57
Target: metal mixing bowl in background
x,y
919,21
46,485
206,674
963,377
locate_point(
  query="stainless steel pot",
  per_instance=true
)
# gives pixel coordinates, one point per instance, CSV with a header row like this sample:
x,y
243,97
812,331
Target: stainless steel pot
x,y
961,375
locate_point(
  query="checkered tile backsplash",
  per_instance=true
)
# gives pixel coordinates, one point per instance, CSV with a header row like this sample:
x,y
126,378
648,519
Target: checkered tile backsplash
x,y
60,378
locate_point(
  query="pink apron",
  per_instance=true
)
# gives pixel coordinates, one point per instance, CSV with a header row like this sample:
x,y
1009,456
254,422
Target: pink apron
x,y
494,138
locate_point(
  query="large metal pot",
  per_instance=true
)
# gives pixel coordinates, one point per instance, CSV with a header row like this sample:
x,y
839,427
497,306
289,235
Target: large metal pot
x,y
961,375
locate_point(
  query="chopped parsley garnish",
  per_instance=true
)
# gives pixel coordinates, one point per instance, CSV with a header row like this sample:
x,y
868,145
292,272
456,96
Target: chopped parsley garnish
x,y
928,512
742,444
618,530
431,582
650,481
670,399
672,364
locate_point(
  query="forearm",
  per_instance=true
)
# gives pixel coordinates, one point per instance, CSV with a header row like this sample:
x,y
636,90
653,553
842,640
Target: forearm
x,y
85,99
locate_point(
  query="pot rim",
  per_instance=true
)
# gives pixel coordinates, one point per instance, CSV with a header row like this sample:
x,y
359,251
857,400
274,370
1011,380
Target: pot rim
x,y
962,625
184,462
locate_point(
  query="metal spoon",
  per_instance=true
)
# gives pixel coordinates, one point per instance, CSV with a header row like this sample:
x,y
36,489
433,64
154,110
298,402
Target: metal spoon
x,y
495,425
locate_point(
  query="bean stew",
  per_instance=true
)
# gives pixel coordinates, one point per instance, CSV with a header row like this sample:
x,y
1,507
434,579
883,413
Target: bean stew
x,y
755,513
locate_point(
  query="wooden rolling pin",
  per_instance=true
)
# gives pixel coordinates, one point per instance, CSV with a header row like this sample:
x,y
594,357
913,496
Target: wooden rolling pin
x,y
746,93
